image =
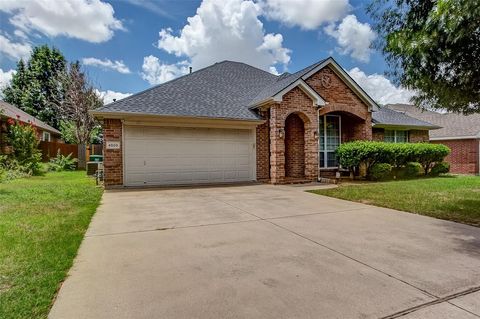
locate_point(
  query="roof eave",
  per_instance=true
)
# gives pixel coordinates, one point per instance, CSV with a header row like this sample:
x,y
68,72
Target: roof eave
x,y
126,115
408,126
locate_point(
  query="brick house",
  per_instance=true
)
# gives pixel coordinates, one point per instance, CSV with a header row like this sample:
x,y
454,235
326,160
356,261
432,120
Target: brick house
x,y
44,131
461,133
231,122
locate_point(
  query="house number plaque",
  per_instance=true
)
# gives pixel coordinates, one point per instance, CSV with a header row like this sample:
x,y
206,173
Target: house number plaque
x,y
113,145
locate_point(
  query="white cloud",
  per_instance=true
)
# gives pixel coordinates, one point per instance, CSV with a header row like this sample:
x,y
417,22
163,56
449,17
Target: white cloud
x,y
108,96
308,14
353,37
118,66
89,20
226,30
156,72
14,50
5,77
380,88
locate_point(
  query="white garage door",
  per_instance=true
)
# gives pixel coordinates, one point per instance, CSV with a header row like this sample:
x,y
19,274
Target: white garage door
x,y
182,155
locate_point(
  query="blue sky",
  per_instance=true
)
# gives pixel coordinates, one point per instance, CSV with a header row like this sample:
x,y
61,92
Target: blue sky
x,y
129,45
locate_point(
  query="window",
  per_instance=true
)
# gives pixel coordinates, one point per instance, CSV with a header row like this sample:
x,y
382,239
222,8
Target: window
x,y
329,140
46,137
392,136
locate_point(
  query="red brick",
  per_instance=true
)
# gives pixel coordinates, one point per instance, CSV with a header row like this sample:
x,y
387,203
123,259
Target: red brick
x,y
113,159
464,154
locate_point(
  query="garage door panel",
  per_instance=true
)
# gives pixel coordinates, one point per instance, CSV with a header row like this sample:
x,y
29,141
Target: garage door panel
x,y
175,155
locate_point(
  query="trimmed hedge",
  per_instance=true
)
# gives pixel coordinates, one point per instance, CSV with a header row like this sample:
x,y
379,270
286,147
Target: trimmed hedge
x,y
380,172
440,168
353,154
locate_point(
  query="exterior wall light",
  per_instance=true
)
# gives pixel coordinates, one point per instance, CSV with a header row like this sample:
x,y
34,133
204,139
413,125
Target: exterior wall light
x,y
281,132
315,135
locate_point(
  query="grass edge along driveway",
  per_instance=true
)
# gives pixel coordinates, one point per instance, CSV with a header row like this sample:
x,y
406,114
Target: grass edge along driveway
x,y
42,222
455,198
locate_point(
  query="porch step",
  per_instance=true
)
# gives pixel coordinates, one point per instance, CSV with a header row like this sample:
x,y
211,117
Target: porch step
x,y
325,180
296,181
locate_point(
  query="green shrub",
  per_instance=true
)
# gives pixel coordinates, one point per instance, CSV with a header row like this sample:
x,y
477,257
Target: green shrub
x,y
369,153
440,168
23,139
380,172
11,169
429,154
412,170
63,163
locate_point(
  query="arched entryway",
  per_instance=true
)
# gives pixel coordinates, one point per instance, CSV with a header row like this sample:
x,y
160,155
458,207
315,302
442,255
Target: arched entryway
x,y
294,147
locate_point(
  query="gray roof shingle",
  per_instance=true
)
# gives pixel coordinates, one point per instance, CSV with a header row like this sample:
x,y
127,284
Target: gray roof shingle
x,y
222,90
8,110
283,81
387,116
452,125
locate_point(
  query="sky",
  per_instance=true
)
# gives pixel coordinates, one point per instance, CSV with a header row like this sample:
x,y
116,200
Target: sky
x,y
127,46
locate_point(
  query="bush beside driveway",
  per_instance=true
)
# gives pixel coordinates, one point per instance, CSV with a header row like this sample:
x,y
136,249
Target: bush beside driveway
x,y
42,222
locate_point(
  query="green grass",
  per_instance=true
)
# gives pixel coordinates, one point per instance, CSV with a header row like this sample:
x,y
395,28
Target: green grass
x,y
42,222
455,198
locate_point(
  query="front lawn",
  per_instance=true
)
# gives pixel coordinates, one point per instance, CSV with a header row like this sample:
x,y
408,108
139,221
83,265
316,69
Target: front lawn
x,y
455,198
42,222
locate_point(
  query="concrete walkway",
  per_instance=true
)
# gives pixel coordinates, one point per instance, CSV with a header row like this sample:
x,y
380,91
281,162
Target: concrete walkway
x,y
264,251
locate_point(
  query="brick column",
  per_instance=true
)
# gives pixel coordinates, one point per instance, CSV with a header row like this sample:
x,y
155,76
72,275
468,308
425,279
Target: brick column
x,y
277,147
311,149
112,158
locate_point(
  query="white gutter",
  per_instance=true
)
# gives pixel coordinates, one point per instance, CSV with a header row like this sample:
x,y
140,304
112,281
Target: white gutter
x,y
447,138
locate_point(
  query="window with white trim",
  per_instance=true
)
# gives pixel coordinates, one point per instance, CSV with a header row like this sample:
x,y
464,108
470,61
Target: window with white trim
x,y
395,136
329,135
46,137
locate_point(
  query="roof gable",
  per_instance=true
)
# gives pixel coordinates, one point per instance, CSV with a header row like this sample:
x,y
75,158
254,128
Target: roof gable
x,y
286,81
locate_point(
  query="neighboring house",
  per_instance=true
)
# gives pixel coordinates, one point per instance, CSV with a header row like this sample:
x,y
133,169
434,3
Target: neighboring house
x,y
459,132
231,122
8,111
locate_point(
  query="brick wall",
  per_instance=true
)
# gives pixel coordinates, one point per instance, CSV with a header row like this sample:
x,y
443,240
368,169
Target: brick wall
x,y
263,148
113,162
464,154
294,147
378,134
417,136
284,161
341,99
295,101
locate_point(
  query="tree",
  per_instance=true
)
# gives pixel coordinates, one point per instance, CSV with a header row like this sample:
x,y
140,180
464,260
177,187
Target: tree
x,y
433,48
78,100
36,84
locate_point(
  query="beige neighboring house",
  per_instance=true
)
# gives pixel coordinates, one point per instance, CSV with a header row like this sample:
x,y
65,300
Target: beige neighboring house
x,y
8,111
459,132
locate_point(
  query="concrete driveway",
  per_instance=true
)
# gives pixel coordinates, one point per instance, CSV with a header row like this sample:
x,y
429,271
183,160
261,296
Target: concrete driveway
x,y
264,251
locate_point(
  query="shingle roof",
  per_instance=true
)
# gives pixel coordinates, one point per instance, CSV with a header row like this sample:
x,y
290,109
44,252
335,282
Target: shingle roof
x,y
15,113
228,90
222,90
282,82
452,125
387,116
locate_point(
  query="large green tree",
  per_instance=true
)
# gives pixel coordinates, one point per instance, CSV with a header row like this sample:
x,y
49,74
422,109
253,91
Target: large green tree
x,y
37,84
433,48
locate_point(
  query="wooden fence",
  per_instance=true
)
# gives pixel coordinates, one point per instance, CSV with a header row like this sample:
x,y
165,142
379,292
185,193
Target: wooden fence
x,y
51,149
